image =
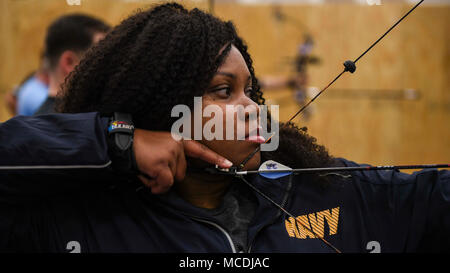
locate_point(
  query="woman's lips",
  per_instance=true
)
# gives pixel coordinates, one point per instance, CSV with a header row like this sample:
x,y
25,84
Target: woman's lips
x,y
255,139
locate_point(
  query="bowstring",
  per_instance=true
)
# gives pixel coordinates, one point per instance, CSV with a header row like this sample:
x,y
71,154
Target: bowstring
x,y
289,214
242,165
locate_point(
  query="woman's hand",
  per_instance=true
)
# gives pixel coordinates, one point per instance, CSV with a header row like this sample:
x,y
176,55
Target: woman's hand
x,y
163,158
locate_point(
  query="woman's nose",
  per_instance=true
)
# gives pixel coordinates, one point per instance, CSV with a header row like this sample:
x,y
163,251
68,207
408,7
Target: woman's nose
x,y
251,109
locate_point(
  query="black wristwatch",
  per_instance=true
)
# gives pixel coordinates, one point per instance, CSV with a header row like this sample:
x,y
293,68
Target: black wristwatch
x,y
120,142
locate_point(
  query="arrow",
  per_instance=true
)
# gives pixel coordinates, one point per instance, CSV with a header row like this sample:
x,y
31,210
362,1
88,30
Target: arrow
x,y
273,170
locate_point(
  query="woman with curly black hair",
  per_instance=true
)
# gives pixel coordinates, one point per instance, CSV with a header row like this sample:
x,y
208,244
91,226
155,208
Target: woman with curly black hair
x,y
166,56
157,59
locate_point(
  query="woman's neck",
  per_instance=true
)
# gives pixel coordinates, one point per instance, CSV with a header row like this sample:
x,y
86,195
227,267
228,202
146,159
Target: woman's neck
x,y
203,190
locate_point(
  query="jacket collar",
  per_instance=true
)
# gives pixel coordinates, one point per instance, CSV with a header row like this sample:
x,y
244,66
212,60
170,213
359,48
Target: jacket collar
x,y
276,189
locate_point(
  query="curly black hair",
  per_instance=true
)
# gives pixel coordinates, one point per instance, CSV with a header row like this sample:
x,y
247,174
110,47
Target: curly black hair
x,y
161,57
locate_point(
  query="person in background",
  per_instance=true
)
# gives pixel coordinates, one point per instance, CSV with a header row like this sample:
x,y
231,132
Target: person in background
x,y
31,93
11,101
67,39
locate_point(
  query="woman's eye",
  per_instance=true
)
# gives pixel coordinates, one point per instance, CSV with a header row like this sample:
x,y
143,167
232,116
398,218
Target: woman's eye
x,y
222,91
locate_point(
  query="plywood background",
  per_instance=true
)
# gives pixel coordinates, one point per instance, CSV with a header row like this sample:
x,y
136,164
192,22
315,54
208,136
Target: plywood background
x,y
414,55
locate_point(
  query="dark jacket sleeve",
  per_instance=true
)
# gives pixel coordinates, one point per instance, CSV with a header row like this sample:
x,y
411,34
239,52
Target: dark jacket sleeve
x,y
408,212
45,155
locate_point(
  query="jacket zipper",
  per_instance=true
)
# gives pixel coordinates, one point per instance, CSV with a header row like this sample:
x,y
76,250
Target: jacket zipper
x,y
230,241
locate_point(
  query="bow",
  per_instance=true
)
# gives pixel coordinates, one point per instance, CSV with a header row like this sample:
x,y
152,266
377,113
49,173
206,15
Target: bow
x,y
274,170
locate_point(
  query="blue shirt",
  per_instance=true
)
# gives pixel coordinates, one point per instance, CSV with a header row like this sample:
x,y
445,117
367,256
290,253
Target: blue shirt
x,y
30,96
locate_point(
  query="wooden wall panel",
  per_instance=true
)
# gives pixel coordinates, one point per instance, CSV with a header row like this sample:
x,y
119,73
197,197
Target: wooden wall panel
x,y
414,55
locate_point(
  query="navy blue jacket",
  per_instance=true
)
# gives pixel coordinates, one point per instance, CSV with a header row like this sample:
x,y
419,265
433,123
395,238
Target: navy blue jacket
x,y
58,193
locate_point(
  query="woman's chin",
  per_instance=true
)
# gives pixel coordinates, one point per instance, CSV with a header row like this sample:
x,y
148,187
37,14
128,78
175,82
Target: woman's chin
x,y
253,163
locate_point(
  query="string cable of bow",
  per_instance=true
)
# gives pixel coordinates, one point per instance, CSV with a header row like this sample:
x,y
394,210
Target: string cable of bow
x,y
349,66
